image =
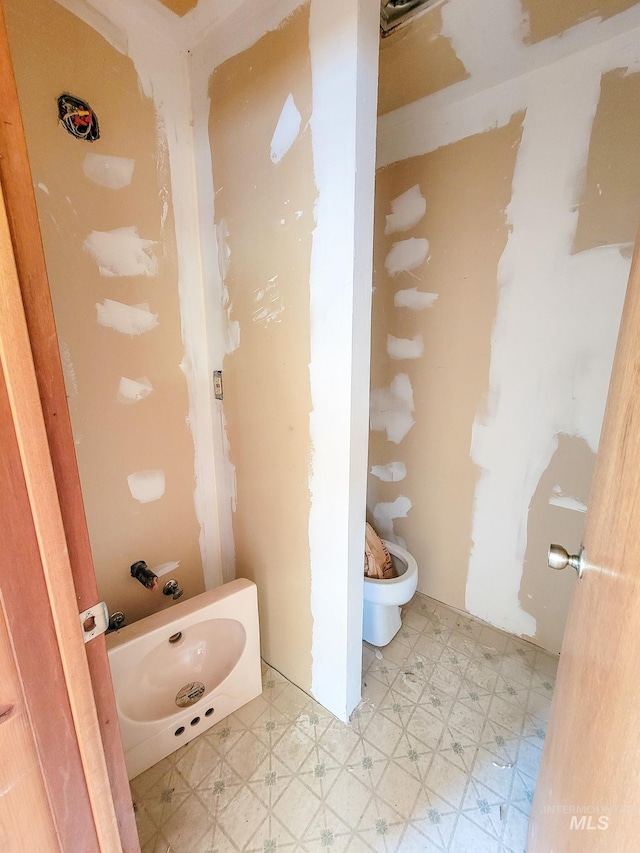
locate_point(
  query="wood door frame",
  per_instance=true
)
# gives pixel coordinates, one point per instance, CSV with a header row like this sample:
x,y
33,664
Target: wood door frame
x,y
51,469
49,774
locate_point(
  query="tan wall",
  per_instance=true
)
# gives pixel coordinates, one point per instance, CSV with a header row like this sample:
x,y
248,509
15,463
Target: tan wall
x,y
466,188
521,251
546,18
53,53
609,211
264,217
180,7
424,71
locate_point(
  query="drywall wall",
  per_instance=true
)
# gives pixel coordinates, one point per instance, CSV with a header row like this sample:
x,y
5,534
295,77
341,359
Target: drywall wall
x,y
428,61
292,112
546,18
516,430
113,231
179,7
440,348
265,194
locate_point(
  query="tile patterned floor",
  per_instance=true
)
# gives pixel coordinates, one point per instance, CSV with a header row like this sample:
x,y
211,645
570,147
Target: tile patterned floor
x,y
441,754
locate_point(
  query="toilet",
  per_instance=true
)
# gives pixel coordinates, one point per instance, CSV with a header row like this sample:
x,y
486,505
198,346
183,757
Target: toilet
x,y
383,598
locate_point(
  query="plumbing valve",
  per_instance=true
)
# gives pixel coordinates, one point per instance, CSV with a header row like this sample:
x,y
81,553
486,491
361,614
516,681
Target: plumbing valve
x,y
141,573
171,588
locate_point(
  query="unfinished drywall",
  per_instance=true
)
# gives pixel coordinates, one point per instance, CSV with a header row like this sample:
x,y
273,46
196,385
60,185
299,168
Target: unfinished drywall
x,y
609,209
542,405
432,321
319,95
427,60
180,7
107,220
547,18
265,194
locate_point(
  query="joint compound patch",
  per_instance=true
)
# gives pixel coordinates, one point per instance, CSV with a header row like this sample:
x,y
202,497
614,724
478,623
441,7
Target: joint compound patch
x,y
68,370
413,298
133,390
565,501
165,568
115,173
121,252
384,515
390,408
392,472
224,250
406,211
147,486
286,131
269,303
406,255
405,347
128,319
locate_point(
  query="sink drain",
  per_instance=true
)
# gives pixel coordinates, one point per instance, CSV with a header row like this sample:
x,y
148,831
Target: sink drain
x,y
189,694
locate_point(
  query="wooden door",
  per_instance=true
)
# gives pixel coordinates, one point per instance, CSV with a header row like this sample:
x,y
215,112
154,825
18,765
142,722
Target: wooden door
x,y
588,792
32,791
36,392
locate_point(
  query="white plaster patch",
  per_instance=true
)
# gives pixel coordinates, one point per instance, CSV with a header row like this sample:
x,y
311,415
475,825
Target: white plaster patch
x,y
231,328
68,370
390,408
392,472
413,298
270,304
44,188
224,250
115,173
406,255
122,252
133,390
400,348
406,211
286,131
128,319
147,486
385,513
565,501
165,568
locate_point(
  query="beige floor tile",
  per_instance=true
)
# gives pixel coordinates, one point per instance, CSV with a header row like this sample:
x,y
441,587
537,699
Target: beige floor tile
x,y
441,754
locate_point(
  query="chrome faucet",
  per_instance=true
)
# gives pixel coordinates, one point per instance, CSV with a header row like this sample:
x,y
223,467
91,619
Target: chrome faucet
x,y
171,588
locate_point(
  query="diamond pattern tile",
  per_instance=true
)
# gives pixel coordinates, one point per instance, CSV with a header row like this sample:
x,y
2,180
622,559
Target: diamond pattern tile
x,y
441,755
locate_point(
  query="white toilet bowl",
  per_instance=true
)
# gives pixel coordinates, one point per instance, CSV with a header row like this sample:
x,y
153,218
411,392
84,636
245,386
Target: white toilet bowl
x,y
383,598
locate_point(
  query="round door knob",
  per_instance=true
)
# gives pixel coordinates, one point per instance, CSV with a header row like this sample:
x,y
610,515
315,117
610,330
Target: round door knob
x,y
559,558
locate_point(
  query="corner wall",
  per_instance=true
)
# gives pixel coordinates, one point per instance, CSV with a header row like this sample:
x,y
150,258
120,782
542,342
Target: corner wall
x,y
292,113
115,229
265,195
507,203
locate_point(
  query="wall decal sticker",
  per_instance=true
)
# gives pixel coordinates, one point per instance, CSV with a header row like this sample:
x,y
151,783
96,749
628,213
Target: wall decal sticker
x,y
78,118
